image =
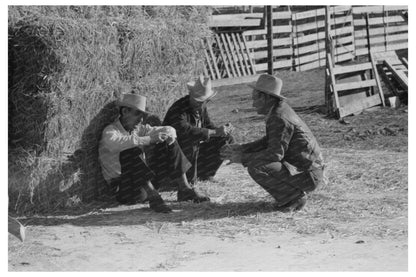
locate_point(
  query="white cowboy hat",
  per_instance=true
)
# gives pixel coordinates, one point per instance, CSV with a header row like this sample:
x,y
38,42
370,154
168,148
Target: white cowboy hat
x,y
269,84
200,89
133,100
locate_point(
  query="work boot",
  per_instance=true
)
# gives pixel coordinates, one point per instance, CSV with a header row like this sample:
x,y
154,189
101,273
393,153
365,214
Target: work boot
x,y
157,204
191,194
294,205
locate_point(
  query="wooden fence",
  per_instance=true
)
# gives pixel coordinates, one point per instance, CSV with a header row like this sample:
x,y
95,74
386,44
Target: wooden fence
x,y
299,38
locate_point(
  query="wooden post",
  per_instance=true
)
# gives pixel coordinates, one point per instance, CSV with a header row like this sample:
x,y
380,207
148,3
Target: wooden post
x,y
329,53
367,26
269,39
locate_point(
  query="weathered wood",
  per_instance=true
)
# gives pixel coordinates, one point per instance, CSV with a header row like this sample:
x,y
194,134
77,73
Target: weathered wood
x,y
227,53
276,52
281,29
381,30
224,61
379,20
269,40
263,43
344,57
239,56
377,9
359,105
233,56
380,90
309,66
208,60
399,75
211,52
253,68
245,55
308,14
234,23
381,39
350,86
276,65
351,68
234,81
332,80
310,58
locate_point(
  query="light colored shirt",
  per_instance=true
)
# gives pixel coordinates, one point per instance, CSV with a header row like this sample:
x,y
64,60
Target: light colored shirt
x,y
116,139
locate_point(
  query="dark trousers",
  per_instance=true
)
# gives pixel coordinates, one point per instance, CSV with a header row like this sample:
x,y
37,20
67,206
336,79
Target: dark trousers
x,y
165,162
284,187
205,158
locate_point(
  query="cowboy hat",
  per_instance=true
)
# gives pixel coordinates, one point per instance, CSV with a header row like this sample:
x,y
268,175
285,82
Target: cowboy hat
x,y
270,85
133,100
200,89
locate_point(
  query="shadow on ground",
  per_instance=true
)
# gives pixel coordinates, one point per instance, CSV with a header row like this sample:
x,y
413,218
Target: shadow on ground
x,y
141,214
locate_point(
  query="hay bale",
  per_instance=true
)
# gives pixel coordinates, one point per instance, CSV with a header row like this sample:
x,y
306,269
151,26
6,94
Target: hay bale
x,y
67,65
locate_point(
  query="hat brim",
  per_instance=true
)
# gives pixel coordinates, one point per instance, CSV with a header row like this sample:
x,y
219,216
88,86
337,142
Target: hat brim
x,y
122,104
200,99
275,95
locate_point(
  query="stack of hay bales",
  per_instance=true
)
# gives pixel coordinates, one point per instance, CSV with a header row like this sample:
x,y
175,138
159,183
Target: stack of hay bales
x,y
67,66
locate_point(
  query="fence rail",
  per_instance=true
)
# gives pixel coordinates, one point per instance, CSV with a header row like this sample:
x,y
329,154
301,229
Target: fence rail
x,y
299,38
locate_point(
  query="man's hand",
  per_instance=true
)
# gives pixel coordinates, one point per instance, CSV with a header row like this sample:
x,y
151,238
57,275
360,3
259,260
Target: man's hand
x,y
224,130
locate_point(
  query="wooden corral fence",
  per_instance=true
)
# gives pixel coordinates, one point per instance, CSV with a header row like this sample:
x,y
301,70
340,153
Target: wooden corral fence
x,y
240,49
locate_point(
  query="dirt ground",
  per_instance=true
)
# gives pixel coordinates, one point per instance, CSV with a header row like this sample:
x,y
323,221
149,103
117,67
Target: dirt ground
x,y
358,222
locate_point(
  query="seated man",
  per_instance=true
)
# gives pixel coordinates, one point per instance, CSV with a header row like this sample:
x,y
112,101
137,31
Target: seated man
x,y
124,165
198,137
287,161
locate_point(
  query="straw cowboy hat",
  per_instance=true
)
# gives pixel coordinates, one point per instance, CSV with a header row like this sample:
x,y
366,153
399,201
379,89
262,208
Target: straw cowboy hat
x,y
270,85
200,89
133,100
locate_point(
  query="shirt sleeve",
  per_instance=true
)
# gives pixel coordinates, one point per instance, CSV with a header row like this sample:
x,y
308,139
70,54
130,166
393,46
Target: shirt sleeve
x,y
185,129
279,134
115,140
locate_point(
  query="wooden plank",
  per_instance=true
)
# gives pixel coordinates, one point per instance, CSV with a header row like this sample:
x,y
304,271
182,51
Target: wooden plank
x,y
344,57
382,30
375,74
341,20
379,20
249,16
233,52
308,38
359,105
310,26
393,38
351,68
227,53
235,81
340,9
355,85
237,50
276,29
234,23
307,49
381,39
309,66
377,9
224,60
374,49
211,71
249,55
344,40
332,78
344,49
400,76
240,54
276,65
397,46
308,14
211,52
310,58
276,52
263,43
244,53
342,31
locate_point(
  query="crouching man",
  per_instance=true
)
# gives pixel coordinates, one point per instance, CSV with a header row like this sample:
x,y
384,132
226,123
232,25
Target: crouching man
x,y
124,163
287,161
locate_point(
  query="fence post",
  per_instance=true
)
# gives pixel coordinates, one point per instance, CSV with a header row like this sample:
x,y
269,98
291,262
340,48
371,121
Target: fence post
x,y
269,16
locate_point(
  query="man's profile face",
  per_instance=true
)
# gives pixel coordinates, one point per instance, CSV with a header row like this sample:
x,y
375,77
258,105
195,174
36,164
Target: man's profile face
x,y
259,102
132,117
